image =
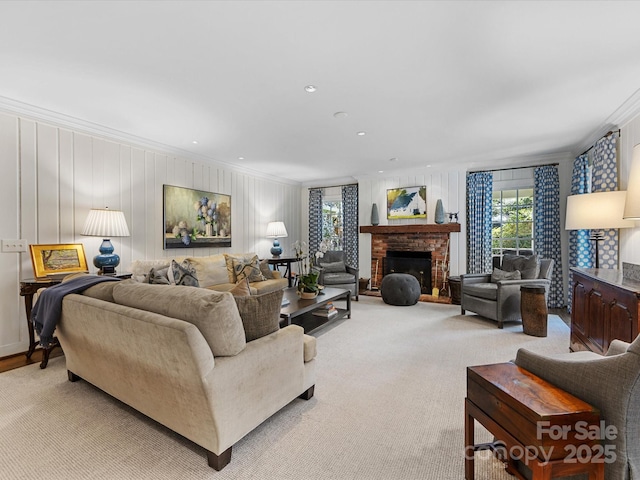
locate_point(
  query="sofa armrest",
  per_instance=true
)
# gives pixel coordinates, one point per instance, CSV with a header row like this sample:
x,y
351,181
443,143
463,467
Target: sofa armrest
x,y
526,281
352,270
470,278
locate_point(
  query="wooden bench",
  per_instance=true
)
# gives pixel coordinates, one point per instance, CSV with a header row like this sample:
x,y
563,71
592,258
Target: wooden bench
x,y
550,431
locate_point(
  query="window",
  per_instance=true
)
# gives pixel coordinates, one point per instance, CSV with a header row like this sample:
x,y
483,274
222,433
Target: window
x,y
512,217
332,223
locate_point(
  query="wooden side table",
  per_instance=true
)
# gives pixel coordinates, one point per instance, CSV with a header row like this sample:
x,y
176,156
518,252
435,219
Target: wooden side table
x,y
286,262
28,288
533,308
525,413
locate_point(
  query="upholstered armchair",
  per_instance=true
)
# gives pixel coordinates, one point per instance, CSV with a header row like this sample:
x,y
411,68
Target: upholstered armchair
x,y
497,295
610,383
334,272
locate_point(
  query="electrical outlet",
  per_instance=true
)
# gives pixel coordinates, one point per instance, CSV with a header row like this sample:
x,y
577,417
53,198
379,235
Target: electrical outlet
x,y
14,245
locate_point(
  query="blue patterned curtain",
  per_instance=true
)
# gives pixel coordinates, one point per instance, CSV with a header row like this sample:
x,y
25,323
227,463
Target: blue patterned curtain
x,y
315,219
546,226
350,223
581,251
605,179
479,194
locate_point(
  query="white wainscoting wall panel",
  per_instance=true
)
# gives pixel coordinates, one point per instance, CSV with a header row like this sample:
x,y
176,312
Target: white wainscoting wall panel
x,y
52,176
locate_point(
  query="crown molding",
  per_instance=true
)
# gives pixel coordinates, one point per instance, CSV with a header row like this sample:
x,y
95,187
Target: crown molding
x,y
33,112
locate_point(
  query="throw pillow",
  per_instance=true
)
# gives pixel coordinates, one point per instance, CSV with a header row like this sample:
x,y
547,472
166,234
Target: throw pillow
x,y
334,267
230,257
267,273
184,274
529,266
215,314
210,270
249,269
498,275
241,289
158,276
260,314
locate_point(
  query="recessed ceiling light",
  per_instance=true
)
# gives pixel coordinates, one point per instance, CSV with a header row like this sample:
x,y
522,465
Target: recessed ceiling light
x,y
240,158
340,114
380,171
195,142
310,88
429,166
361,134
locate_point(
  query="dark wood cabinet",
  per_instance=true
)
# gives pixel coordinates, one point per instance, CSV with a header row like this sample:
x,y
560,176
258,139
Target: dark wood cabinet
x,y
604,307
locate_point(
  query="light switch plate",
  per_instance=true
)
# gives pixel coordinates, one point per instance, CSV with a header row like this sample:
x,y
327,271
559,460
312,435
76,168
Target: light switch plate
x,y
14,245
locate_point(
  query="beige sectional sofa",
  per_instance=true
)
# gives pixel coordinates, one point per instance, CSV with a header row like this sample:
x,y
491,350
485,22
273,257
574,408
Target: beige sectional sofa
x,y
180,355
213,272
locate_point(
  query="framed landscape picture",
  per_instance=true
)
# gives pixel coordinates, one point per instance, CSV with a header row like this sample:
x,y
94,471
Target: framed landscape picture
x,y
58,259
195,218
407,202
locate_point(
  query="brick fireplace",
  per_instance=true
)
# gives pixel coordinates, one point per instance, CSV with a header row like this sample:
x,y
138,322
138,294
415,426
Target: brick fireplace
x,y
409,238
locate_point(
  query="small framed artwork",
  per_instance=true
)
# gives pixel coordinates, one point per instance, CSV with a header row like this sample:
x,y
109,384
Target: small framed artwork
x,y
58,259
407,202
196,219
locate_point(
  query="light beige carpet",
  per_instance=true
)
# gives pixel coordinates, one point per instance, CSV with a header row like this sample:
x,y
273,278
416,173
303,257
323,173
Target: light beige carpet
x,y
388,405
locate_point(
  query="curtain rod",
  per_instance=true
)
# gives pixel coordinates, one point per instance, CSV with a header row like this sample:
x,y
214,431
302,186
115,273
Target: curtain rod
x,y
334,186
515,168
609,133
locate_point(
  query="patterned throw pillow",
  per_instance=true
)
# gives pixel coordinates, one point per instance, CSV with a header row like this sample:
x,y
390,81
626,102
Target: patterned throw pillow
x,y
158,276
249,269
498,275
184,274
260,314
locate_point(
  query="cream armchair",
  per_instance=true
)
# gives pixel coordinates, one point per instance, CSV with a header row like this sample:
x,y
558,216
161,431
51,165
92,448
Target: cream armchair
x,y
500,300
611,384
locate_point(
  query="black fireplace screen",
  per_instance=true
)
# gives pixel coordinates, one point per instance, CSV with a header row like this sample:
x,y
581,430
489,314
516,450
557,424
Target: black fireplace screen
x,y
414,263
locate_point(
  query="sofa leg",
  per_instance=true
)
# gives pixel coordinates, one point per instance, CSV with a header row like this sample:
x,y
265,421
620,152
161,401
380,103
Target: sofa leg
x,y
308,394
462,310
500,324
72,376
218,462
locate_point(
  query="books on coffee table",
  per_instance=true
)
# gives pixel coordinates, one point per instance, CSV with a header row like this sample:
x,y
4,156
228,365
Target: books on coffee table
x,y
327,311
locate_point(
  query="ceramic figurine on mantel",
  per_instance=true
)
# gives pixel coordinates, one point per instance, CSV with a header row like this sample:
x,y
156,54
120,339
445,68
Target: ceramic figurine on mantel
x,y
453,217
439,217
375,219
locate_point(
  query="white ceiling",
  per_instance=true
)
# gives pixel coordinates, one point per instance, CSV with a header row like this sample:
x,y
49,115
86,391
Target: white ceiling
x,y
432,83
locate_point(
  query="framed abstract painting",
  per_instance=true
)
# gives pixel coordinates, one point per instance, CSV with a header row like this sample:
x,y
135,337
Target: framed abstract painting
x,y
196,219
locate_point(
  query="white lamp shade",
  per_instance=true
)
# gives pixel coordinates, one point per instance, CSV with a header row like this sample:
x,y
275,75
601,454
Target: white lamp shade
x,y
276,230
105,223
596,211
632,205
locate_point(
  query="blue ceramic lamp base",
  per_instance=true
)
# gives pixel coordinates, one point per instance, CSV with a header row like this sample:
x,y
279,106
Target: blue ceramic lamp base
x,y
107,261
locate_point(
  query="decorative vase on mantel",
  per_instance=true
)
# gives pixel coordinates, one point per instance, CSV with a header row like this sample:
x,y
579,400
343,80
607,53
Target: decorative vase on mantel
x,y
439,217
375,219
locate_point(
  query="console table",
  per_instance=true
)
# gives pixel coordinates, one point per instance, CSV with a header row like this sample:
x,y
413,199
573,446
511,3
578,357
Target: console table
x,y
28,288
604,307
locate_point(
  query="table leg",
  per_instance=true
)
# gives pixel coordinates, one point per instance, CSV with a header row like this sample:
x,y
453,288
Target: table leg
x,y
349,304
28,301
469,465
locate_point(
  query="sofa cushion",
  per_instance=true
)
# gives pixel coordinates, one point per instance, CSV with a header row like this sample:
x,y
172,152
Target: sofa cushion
x,y
498,275
215,314
310,349
101,291
338,278
260,314
211,270
482,290
334,267
184,274
529,266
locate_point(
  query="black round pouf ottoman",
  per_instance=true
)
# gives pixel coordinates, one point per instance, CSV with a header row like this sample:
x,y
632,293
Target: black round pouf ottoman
x,y
400,289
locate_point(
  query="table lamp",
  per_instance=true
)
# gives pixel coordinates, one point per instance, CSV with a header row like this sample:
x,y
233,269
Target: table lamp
x,y
276,230
596,212
106,223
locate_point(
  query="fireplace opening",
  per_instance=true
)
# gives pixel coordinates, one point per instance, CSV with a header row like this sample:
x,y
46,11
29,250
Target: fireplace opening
x,y
414,263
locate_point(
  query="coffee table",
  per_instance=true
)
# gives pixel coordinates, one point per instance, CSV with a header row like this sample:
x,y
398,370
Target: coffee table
x,y
300,311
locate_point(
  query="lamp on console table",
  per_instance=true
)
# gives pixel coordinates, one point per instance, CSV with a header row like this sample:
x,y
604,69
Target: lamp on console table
x,y
107,224
596,212
276,230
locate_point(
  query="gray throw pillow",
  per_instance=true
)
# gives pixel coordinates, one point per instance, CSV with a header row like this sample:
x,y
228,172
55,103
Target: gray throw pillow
x,y
334,267
498,275
158,276
529,266
184,274
260,314
267,273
